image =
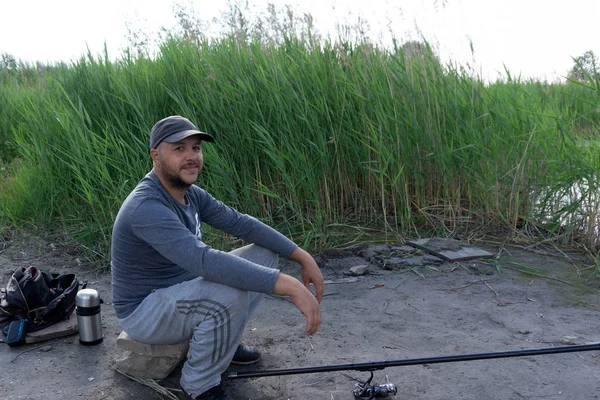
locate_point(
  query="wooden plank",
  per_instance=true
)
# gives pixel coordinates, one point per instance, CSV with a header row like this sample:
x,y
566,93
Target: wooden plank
x,y
64,328
450,249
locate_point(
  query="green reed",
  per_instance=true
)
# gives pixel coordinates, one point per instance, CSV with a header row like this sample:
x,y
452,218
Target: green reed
x,y
326,141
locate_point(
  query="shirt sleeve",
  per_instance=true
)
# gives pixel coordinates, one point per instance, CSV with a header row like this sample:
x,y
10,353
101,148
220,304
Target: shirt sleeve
x,y
229,220
159,227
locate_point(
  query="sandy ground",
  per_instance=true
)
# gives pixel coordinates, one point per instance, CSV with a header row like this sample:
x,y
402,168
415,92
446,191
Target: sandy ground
x,y
428,311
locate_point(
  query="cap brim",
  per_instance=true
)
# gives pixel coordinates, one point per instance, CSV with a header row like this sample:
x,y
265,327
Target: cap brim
x,y
176,137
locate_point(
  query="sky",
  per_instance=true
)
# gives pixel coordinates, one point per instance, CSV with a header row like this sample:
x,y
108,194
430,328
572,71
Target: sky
x,y
531,38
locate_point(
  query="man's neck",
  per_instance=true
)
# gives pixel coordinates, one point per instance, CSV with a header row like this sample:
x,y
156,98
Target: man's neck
x,y
177,193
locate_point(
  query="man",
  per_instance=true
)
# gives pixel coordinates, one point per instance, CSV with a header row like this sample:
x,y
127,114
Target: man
x,y
169,286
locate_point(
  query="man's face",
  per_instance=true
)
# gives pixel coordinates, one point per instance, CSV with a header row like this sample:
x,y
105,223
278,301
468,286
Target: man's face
x,y
179,163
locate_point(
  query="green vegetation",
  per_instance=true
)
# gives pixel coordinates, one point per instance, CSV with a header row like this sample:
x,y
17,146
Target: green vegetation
x,y
333,142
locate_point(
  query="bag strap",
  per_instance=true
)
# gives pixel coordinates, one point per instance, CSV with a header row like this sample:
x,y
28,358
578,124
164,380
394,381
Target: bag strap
x,y
18,273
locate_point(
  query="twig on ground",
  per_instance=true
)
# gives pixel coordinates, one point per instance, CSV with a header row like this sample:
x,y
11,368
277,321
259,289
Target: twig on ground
x,y
26,351
460,287
501,248
413,270
465,268
486,284
99,255
311,346
153,384
408,303
568,258
470,283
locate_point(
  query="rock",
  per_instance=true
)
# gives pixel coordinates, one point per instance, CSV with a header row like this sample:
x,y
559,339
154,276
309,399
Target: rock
x,y
358,270
450,249
178,350
149,361
146,367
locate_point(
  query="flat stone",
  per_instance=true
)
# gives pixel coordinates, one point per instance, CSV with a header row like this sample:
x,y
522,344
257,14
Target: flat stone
x,y
450,249
358,270
146,367
178,350
60,329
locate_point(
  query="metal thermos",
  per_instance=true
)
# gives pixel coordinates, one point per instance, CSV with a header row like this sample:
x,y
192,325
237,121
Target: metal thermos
x,y
88,317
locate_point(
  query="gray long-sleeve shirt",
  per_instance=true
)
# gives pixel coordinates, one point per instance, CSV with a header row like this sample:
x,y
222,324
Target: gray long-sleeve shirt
x,y
157,242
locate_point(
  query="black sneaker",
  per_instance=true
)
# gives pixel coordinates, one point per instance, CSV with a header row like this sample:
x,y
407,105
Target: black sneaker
x,y
245,355
215,393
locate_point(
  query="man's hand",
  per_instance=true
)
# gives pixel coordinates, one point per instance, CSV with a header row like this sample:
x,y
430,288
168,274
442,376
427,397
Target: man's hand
x,y
310,271
302,298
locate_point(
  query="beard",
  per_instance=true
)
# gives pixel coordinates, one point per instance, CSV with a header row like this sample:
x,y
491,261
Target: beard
x,y
174,179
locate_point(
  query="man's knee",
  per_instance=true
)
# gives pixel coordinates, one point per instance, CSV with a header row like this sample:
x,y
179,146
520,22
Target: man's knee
x,y
237,298
257,254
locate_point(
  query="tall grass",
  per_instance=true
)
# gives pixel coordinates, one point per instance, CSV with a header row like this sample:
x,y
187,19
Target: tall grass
x,y
323,140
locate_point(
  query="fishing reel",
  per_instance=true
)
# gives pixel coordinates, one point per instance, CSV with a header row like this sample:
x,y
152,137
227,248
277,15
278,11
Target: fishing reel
x,y
369,391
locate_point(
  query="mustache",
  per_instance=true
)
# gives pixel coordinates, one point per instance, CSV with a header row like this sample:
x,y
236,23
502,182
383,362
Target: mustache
x,y
191,164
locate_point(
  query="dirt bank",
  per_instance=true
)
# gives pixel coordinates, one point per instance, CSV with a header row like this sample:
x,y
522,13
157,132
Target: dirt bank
x,y
412,312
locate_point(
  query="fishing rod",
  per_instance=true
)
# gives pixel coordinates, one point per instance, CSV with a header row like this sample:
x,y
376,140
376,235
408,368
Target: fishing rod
x,y
369,391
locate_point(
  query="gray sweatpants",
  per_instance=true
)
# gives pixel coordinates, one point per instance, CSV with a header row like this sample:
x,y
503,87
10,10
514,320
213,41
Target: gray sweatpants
x,y
212,315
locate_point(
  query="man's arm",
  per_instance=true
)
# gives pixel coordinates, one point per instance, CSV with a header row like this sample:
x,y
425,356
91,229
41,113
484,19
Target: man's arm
x,y
160,228
227,219
223,217
217,214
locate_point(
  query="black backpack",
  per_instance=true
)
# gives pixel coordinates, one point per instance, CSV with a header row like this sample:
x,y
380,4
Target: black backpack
x,y
38,298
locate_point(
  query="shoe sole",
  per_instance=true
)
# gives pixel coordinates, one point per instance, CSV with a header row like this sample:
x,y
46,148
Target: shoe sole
x,y
245,362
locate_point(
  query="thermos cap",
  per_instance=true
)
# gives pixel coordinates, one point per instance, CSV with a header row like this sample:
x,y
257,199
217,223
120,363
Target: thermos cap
x,y
87,298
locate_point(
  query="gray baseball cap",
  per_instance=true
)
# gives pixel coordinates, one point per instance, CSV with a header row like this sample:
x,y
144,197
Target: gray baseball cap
x,y
173,129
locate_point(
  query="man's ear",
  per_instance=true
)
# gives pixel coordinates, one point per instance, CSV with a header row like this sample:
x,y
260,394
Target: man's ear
x,y
154,154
